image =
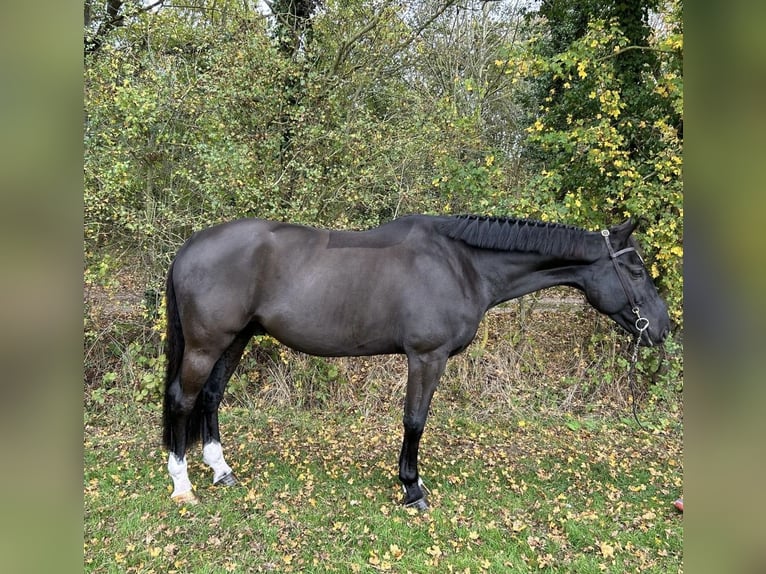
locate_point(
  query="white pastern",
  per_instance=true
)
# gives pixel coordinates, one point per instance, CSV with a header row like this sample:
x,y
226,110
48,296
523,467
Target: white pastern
x,y
212,455
178,472
421,484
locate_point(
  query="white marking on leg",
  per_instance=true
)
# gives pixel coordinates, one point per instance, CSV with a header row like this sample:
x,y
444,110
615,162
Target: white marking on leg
x,y
212,455
178,472
421,484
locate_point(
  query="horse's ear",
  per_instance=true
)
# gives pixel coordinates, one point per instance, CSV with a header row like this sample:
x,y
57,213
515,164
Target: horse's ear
x,y
625,228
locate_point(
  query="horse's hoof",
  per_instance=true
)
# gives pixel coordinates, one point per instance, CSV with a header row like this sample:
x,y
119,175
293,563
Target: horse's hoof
x,y
419,504
185,498
227,479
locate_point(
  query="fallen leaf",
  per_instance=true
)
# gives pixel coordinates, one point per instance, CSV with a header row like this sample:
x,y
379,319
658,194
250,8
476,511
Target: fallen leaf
x,y
607,550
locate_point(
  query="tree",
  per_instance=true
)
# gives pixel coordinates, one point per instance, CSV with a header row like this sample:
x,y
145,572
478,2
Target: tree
x,y
607,136
102,20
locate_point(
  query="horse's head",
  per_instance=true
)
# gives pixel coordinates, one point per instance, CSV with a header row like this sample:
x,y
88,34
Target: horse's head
x,y
619,285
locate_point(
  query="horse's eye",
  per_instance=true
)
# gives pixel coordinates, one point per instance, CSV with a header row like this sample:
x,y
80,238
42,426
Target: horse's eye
x,y
636,271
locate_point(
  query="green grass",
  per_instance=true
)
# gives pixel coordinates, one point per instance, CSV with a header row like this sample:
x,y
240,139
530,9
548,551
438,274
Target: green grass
x,y
319,493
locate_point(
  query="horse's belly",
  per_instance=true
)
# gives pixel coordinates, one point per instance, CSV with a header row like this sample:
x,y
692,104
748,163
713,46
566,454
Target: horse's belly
x,y
331,343
332,334
351,302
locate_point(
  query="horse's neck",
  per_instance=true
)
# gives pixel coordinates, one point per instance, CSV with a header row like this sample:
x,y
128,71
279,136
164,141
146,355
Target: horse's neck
x,y
510,275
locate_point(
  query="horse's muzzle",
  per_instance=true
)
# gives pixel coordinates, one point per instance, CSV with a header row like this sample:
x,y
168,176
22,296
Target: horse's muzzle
x,y
650,341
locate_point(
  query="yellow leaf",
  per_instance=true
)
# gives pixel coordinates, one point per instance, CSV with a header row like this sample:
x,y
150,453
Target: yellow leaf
x,y
607,550
518,526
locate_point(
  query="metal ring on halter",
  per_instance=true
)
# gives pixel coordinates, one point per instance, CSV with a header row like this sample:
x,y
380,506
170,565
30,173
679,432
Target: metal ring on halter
x,y
642,324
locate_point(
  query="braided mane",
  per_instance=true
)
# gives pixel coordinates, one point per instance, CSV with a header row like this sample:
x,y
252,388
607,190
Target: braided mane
x,y
512,234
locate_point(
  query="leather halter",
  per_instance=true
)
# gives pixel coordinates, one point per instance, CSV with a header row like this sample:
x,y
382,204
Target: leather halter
x,y
642,323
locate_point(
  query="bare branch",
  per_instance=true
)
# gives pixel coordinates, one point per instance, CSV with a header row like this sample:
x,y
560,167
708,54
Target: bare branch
x,y
345,50
420,29
115,19
629,48
346,47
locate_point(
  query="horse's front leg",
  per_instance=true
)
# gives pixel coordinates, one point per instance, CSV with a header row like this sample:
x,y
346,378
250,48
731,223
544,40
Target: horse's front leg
x,y
424,372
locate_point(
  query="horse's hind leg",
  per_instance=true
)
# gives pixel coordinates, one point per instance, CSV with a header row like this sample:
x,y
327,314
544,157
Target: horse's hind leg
x,y
212,393
185,413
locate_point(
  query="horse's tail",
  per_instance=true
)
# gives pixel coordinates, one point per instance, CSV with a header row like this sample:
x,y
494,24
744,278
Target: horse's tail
x,y
174,352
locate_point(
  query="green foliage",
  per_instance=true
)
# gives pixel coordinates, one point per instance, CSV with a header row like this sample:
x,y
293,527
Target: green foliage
x,y
602,146
190,122
471,183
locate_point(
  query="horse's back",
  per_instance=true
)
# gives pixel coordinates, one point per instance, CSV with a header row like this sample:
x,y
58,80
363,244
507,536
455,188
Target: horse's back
x,y
320,291
369,292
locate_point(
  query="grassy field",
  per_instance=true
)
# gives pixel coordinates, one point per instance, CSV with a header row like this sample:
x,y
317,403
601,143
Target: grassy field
x,y
319,493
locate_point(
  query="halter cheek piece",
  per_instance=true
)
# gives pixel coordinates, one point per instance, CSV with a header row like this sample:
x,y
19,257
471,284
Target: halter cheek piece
x,y
642,323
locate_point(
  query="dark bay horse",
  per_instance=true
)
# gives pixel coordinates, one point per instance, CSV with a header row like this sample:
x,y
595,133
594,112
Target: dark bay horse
x,y
417,286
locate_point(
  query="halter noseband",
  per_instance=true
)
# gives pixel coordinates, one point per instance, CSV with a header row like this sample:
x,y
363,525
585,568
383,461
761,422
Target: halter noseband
x,y
642,323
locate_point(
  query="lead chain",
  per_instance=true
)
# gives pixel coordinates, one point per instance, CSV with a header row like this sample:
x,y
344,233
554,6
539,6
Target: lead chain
x,y
631,382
